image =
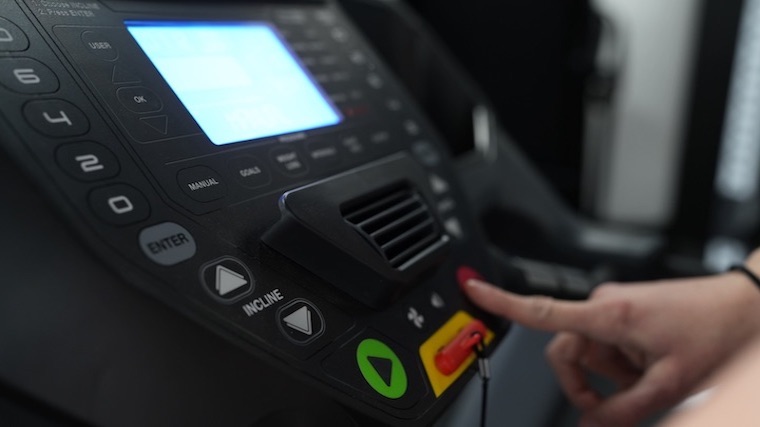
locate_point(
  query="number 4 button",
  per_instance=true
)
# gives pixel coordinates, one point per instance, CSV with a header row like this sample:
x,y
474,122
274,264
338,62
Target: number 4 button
x,y
87,161
56,118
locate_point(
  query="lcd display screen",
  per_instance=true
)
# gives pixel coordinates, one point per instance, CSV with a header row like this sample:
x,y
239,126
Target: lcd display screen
x,y
239,81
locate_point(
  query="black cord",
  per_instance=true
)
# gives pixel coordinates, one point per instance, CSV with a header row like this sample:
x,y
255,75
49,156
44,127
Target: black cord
x,y
747,272
485,374
484,404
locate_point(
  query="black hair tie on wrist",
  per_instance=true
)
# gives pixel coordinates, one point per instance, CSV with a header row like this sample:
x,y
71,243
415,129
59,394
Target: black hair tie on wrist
x,y
747,272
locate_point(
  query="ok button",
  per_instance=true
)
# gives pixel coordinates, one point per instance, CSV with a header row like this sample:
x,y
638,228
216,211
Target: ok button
x,y
139,99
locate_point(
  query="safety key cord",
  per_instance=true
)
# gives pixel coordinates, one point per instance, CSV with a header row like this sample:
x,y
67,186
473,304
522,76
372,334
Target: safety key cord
x,y
484,369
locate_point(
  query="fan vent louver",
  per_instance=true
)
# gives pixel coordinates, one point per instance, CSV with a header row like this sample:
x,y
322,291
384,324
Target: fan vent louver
x,y
398,223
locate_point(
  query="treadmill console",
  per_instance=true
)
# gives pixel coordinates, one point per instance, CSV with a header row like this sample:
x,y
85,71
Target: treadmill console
x,y
255,166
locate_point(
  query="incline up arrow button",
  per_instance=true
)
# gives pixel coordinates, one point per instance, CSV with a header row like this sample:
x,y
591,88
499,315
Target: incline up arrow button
x,y
228,280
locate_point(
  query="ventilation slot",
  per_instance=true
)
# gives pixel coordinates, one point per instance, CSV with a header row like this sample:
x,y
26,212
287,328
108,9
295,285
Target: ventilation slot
x,y
397,223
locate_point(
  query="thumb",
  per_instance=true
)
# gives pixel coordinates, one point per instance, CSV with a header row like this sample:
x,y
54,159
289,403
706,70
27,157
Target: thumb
x,y
655,391
540,312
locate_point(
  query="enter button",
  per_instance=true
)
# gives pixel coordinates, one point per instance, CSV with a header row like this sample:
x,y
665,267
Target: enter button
x,y
167,243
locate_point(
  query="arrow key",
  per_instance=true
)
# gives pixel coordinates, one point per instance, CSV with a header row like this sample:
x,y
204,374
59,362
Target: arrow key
x,y
227,279
300,321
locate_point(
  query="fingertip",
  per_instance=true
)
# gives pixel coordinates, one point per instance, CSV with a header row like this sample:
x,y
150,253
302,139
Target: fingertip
x,y
477,285
478,290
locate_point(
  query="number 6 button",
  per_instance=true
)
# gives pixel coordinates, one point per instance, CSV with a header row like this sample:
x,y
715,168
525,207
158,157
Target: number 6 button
x,y
25,75
87,161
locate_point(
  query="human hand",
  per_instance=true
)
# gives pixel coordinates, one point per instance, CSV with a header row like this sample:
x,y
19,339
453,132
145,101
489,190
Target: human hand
x,y
657,341
733,400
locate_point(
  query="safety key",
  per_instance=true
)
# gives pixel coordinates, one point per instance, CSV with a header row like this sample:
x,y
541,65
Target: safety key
x,y
454,354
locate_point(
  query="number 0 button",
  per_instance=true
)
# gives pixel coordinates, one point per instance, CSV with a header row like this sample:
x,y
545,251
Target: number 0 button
x,y
56,118
12,39
87,161
119,204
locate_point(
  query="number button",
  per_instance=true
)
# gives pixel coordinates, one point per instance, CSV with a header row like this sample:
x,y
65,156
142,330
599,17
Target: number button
x,y
119,204
12,39
87,161
56,118
24,75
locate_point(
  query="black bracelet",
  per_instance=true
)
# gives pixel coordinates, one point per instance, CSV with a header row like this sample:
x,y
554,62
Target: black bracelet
x,y
752,276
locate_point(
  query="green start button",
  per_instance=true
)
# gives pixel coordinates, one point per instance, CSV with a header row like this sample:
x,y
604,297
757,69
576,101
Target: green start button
x,y
381,368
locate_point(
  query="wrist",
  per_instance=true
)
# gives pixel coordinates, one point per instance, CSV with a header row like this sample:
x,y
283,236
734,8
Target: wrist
x,y
745,294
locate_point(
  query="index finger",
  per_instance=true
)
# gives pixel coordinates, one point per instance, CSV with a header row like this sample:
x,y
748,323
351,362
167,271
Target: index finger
x,y
545,313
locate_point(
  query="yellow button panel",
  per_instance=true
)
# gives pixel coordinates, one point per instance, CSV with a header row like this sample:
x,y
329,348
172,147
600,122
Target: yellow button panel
x,y
439,339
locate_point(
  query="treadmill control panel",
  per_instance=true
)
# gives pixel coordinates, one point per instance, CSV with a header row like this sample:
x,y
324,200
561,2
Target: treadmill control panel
x,y
255,166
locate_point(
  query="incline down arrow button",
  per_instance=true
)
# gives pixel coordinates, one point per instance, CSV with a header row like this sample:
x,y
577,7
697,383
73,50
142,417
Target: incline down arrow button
x,y
228,280
300,320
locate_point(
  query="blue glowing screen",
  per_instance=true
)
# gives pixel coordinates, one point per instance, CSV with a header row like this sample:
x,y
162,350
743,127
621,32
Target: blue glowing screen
x,y
239,81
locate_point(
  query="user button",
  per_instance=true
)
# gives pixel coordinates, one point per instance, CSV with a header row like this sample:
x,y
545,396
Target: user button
x,y
100,45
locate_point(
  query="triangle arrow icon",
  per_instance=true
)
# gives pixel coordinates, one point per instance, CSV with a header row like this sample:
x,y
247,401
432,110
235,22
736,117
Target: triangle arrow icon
x,y
157,123
228,280
300,320
383,367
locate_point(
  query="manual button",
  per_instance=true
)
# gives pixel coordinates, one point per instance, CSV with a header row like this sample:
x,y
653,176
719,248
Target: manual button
x,y
202,183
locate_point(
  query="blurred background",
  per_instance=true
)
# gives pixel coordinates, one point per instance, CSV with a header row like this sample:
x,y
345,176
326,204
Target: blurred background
x,y
640,114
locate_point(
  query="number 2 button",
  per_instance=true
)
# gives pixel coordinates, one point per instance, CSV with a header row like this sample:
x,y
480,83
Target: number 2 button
x,y
87,161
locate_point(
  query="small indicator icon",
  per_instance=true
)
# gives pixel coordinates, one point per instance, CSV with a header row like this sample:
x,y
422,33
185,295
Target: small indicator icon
x,y
436,300
415,317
